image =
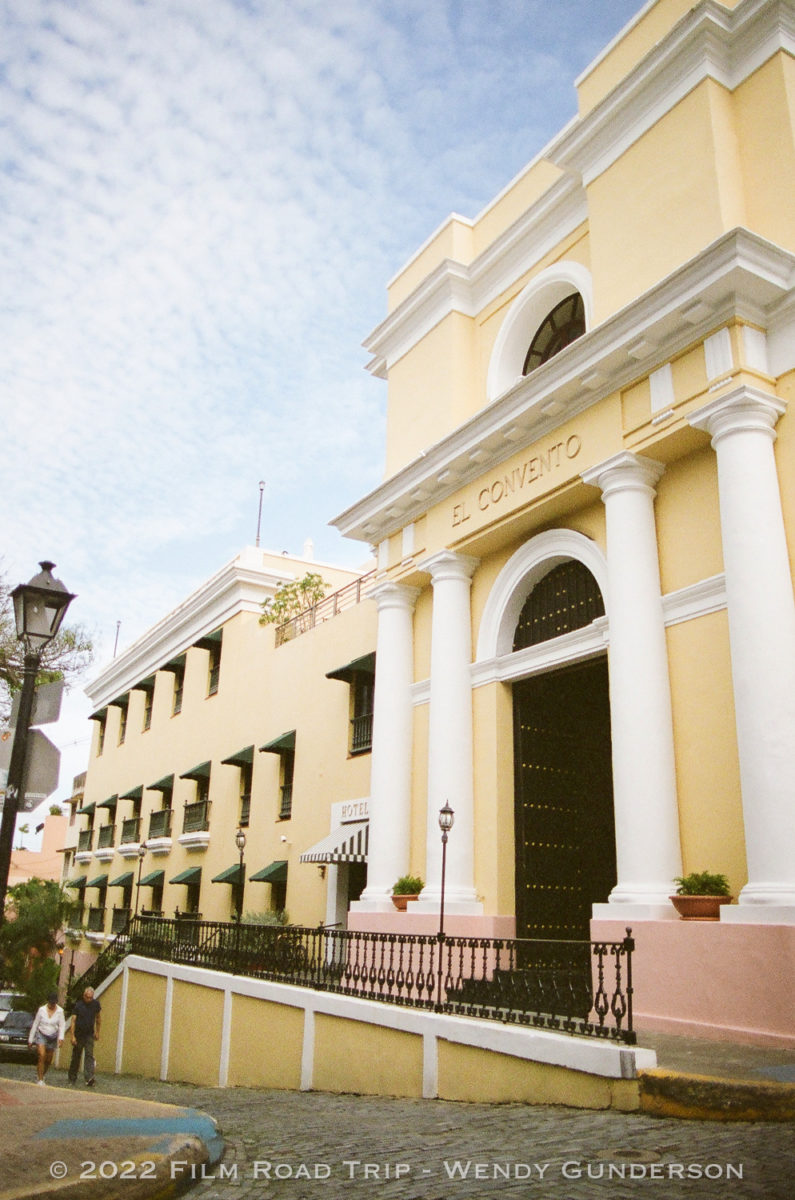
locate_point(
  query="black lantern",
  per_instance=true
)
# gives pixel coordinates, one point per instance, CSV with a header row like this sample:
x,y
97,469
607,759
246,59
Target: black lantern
x,y
142,848
39,608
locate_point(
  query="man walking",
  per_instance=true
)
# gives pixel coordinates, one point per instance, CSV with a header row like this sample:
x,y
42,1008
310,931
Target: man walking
x,y
84,1031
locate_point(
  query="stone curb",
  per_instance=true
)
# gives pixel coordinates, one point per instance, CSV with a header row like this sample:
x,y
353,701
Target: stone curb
x,y
706,1098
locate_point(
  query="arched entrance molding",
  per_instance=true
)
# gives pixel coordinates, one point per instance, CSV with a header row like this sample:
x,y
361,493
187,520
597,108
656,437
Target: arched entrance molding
x,y
525,315
521,573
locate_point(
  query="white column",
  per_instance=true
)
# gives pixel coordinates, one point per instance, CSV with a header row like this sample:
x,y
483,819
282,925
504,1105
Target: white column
x,y
450,771
390,763
761,611
644,778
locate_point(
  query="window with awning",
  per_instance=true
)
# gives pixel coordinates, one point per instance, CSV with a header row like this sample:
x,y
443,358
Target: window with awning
x,y
153,879
123,881
275,872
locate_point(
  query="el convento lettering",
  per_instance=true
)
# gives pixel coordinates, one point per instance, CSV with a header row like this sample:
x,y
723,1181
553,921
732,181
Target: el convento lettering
x,y
546,462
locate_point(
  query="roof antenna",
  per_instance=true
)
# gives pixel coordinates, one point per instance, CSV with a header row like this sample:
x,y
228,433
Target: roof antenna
x,y
259,514
116,643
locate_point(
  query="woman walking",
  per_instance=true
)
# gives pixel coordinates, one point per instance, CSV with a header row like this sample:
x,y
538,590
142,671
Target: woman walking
x,y
46,1034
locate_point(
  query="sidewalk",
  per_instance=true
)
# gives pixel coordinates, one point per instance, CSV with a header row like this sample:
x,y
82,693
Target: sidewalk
x,y
69,1143
702,1079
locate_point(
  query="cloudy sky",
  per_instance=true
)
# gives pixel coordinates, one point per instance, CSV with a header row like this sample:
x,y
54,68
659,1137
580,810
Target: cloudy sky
x,y
201,203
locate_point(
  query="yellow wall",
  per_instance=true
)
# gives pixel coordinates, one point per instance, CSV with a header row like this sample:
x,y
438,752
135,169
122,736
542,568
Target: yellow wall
x,y
343,1051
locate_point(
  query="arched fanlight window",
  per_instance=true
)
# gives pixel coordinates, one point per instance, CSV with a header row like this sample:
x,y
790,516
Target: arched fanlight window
x,y
562,325
567,598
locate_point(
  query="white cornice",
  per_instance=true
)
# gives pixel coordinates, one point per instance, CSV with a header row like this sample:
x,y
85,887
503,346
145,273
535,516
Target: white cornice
x,y
456,287
709,42
240,586
740,274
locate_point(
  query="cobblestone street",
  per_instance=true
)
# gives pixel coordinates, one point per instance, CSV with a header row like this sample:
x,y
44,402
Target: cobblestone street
x,y
312,1146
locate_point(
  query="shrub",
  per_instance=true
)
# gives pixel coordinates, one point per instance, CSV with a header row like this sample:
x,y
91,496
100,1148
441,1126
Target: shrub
x,y
408,885
702,883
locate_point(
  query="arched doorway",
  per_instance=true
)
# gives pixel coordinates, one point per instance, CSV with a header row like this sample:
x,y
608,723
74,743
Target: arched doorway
x,y
563,787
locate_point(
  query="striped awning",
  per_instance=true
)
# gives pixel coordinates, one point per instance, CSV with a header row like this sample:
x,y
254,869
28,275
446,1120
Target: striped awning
x,y
346,844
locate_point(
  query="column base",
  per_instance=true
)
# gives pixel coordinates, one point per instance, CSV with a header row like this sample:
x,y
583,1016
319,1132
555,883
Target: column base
x,y
462,901
375,901
757,914
624,911
760,895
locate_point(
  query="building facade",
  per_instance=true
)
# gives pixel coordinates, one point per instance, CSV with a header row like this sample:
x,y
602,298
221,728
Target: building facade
x,y
202,729
586,625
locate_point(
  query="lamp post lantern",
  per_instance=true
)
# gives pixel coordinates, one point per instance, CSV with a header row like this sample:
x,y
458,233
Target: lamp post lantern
x,y
446,820
141,856
39,608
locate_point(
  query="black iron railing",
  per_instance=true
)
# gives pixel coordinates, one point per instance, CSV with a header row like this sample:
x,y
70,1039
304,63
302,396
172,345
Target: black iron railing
x,y
130,829
580,988
361,733
160,823
85,839
353,593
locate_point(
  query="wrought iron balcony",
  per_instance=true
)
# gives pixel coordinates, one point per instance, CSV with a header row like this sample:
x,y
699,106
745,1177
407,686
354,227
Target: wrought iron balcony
x,y
196,817
105,836
245,808
130,830
286,806
160,823
362,733
119,918
95,920
85,840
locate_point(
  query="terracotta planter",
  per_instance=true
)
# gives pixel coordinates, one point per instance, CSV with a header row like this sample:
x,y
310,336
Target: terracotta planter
x,y
400,902
699,908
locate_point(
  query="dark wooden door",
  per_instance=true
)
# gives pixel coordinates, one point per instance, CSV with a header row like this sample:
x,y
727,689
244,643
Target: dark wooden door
x,y
564,821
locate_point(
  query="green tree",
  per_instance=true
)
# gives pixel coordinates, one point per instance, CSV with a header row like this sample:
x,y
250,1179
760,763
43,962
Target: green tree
x,y
66,656
293,598
36,911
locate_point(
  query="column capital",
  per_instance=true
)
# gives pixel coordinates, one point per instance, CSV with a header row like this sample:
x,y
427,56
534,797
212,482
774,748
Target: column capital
x,y
624,472
742,410
394,595
446,564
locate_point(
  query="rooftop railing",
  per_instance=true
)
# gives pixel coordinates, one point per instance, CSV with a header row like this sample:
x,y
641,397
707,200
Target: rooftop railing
x,y
582,988
325,609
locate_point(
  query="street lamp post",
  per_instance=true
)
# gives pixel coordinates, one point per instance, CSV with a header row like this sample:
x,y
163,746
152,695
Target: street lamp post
x,y
142,848
240,842
446,819
39,609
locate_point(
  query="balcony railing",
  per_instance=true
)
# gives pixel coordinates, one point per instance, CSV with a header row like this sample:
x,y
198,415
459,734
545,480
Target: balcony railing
x,y
85,840
130,830
361,733
582,988
348,596
286,805
196,817
160,823
105,836
95,920
245,808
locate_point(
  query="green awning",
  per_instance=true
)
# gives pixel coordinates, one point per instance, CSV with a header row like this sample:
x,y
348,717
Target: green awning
x,y
99,715
285,742
78,882
87,809
120,701
146,685
275,873
134,794
100,881
192,875
124,880
153,879
162,785
243,758
175,664
200,772
359,666
230,875
110,803
210,640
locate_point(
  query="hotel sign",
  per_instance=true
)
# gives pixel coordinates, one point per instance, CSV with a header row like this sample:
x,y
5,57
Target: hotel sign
x,y
516,482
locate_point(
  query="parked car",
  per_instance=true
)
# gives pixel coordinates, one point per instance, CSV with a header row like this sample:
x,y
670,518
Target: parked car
x,y
8,1002
14,1034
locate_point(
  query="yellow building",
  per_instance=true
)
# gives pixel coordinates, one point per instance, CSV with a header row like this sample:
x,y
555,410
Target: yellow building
x,y
201,730
582,614
586,532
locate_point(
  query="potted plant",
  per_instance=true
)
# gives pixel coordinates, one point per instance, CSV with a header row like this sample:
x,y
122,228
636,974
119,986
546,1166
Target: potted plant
x,y
408,887
700,894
